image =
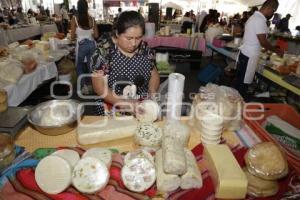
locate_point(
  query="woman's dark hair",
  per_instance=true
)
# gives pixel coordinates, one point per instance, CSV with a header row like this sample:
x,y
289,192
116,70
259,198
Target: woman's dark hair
x,y
83,16
126,20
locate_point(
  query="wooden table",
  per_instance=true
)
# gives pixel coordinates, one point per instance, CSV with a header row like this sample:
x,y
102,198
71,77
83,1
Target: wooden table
x,y
32,139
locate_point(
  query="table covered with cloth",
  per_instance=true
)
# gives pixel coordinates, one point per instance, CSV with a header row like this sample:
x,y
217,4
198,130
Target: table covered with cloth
x,y
18,182
191,43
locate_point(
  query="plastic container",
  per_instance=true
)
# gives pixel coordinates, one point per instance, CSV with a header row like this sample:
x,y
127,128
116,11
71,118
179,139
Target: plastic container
x,y
285,112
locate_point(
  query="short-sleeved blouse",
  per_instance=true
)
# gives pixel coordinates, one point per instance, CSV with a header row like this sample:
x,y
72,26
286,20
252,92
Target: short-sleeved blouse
x,y
123,70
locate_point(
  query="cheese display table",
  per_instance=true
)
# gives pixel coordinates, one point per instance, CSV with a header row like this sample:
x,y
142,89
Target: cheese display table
x,y
24,33
18,92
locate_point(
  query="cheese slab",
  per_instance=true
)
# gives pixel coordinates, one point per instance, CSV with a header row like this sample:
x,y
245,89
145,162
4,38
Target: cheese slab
x,y
53,174
229,179
90,175
105,130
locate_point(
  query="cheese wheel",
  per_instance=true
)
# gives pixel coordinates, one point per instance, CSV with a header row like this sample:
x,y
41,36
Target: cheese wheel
x,y
148,111
138,175
53,174
102,154
71,156
90,175
148,134
139,153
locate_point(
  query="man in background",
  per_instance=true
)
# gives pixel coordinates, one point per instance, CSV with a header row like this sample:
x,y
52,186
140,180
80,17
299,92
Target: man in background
x,y
64,18
255,37
284,24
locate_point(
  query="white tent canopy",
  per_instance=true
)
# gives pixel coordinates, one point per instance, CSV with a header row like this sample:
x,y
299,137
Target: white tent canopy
x,y
172,5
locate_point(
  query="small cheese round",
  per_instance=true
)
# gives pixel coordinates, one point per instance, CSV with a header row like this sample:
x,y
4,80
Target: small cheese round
x,y
90,175
148,111
139,153
102,154
71,156
138,175
148,134
53,174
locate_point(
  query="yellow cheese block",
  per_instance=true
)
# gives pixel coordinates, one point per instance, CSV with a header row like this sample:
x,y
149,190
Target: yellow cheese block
x,y
228,177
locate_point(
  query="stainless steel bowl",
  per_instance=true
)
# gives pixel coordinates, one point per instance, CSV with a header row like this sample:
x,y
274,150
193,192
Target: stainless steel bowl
x,y
55,117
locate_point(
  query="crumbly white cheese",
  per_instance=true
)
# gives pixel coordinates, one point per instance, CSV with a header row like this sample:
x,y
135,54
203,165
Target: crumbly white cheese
x,y
148,111
139,153
178,131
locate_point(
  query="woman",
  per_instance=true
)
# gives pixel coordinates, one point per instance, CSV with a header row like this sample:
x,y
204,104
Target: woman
x,y
125,62
84,29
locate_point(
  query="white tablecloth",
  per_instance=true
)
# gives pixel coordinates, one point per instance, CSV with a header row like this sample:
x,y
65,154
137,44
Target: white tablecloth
x,y
48,28
23,33
17,93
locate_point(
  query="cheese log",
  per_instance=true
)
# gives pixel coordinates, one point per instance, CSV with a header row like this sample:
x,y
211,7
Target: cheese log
x,y
177,130
71,156
229,179
53,174
90,175
138,175
164,182
192,178
112,130
174,161
102,154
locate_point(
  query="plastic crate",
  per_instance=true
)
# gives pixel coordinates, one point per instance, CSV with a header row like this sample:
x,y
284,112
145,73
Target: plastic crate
x,y
285,112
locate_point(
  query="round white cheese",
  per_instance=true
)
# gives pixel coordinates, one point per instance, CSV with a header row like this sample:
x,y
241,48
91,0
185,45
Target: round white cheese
x,y
148,111
53,174
102,154
90,175
139,153
138,175
71,156
148,134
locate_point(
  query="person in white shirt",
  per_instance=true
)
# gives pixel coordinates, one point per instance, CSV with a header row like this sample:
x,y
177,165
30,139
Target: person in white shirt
x,y
255,37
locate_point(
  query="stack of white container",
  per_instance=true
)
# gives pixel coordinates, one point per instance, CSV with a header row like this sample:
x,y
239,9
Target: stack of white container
x,y
211,129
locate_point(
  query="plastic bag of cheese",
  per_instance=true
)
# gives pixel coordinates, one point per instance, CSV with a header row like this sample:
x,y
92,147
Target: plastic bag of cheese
x,y
283,132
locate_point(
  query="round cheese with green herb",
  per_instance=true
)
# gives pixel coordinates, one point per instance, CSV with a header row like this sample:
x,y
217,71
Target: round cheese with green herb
x,y
148,134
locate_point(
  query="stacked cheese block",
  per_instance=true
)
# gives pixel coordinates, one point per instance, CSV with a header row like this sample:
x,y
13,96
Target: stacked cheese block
x,y
211,129
57,172
265,163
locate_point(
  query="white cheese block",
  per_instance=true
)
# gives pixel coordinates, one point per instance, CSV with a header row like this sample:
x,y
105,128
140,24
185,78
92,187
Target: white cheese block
x,y
174,161
138,175
164,182
178,131
53,174
229,179
71,156
192,178
112,129
139,153
148,134
102,154
148,111
90,175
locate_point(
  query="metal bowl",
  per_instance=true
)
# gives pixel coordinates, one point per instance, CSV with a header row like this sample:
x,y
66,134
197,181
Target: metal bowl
x,y
55,117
